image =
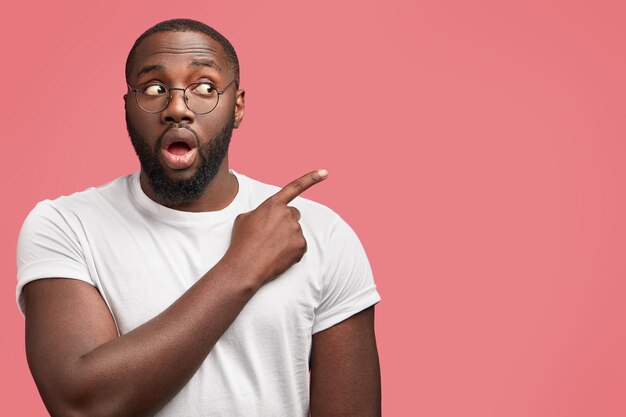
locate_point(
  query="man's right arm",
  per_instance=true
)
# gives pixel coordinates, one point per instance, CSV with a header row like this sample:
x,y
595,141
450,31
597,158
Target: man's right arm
x,y
81,366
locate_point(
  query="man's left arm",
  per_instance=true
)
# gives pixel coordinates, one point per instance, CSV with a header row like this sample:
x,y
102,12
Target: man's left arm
x,y
345,373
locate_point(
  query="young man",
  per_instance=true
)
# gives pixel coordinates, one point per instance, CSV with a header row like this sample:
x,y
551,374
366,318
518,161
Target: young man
x,y
188,289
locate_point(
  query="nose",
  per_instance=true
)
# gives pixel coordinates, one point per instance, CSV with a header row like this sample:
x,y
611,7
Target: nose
x,y
177,110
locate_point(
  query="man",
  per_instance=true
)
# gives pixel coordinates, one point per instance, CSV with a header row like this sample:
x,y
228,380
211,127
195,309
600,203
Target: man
x,y
188,289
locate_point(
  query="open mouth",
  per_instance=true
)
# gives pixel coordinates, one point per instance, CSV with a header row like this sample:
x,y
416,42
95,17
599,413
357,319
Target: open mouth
x,y
179,149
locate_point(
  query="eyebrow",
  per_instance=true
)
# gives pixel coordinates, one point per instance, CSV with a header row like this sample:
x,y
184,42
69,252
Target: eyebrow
x,y
150,68
205,63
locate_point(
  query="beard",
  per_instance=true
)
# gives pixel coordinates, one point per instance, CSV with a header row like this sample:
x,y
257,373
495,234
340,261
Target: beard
x,y
171,192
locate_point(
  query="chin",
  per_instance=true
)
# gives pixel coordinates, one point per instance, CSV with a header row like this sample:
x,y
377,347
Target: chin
x,y
179,175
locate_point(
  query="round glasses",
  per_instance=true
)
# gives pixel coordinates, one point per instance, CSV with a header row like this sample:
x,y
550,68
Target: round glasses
x,y
200,98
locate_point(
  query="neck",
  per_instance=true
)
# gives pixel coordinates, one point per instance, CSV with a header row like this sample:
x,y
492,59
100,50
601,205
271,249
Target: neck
x,y
220,192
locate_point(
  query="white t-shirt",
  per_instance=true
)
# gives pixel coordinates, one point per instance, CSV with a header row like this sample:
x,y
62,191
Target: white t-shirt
x,y
142,256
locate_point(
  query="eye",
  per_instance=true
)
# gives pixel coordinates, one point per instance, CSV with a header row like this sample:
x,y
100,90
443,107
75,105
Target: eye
x,y
204,89
154,90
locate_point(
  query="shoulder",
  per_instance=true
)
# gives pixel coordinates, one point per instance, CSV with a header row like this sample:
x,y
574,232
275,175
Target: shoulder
x,y
94,198
67,215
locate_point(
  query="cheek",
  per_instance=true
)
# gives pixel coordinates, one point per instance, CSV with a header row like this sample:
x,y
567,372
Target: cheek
x,y
209,125
144,123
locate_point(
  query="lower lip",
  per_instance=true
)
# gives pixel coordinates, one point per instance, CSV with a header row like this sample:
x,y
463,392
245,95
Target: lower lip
x,y
179,161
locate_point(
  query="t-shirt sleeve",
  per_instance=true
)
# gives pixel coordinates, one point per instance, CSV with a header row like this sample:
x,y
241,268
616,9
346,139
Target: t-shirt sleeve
x,y
348,283
47,247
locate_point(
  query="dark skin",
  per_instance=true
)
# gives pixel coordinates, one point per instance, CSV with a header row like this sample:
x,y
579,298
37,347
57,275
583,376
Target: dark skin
x,y
83,368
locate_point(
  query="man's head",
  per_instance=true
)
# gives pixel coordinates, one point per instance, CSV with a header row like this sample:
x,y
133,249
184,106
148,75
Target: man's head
x,y
181,147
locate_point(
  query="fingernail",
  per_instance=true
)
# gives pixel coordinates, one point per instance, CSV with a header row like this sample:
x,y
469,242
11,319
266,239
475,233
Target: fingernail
x,y
322,173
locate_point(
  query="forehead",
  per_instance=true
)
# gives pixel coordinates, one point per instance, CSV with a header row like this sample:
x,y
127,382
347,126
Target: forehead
x,y
168,49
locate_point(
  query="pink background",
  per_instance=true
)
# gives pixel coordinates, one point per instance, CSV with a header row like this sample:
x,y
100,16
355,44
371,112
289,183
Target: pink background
x,y
476,147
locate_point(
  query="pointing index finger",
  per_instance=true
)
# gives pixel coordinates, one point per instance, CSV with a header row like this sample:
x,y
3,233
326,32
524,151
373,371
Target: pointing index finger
x,y
297,187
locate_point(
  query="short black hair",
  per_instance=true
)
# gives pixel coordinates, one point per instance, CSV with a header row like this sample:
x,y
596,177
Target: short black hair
x,y
188,25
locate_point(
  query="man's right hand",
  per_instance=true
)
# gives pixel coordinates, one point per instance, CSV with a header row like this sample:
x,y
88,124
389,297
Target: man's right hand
x,y
268,240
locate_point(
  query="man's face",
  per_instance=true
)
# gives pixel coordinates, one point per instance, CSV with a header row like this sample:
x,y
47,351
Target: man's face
x,y
181,152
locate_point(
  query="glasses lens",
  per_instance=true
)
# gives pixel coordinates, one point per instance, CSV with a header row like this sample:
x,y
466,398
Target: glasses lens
x,y
152,97
202,98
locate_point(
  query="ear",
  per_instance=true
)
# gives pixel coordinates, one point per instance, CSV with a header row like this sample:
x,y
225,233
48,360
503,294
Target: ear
x,y
240,107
